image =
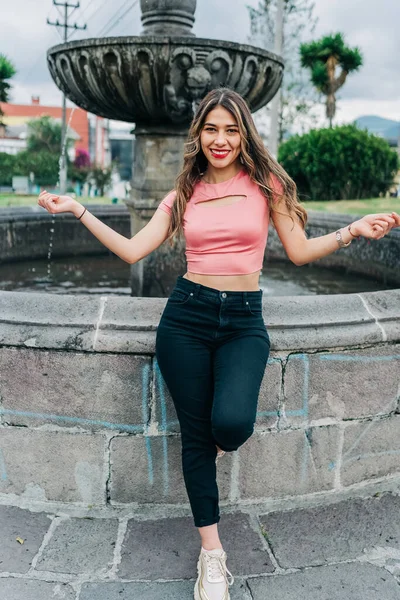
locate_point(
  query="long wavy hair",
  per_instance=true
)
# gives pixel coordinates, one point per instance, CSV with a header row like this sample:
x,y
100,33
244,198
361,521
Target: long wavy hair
x,y
261,166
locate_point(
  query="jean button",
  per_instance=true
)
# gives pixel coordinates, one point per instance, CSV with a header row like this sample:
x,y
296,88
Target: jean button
x,y
223,294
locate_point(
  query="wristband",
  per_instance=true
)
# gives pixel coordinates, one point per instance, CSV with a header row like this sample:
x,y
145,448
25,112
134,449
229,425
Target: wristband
x,y
79,218
356,236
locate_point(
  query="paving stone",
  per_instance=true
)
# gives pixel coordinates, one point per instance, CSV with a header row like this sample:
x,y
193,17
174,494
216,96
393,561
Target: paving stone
x,y
351,581
243,545
342,385
370,449
288,463
165,549
154,465
53,465
29,589
138,591
174,590
80,546
86,390
29,526
338,532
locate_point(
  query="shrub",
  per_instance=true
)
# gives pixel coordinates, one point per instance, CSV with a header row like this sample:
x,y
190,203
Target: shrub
x,y
44,165
7,168
341,163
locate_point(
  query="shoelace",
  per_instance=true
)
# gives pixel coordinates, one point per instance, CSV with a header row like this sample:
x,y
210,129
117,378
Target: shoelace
x,y
218,567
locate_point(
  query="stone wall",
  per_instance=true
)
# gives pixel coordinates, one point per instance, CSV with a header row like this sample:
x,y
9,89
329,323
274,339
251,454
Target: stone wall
x,y
86,419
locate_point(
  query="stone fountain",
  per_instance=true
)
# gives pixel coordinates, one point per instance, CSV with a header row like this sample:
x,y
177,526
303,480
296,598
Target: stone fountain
x,y
155,80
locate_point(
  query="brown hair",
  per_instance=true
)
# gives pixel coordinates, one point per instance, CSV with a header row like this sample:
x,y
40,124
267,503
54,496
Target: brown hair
x,y
261,166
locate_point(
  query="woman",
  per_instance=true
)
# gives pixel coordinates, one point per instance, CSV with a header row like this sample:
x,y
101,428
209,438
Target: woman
x,y
212,345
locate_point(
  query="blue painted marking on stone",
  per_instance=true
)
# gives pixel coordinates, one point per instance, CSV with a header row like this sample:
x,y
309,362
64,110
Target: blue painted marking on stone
x,y
145,417
163,428
3,470
353,358
74,420
331,466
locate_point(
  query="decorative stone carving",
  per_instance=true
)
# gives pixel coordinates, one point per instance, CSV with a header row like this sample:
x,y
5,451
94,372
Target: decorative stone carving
x,y
148,80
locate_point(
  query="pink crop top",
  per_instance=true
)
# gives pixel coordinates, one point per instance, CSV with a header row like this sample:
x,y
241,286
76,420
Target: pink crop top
x,y
225,239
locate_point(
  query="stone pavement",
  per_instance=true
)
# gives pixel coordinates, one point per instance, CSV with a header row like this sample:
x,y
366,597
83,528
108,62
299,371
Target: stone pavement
x,y
349,550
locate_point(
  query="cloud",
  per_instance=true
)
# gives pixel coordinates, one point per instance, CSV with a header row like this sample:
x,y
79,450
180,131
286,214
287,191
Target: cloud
x,y
25,38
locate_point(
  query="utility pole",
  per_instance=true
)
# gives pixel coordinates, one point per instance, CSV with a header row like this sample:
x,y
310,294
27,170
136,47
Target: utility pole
x,y
65,26
276,101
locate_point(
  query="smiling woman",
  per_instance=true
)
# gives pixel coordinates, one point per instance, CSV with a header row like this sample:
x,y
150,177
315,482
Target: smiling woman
x,y
212,343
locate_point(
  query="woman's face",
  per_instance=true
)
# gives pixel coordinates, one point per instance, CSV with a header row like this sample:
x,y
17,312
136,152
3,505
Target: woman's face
x,y
220,138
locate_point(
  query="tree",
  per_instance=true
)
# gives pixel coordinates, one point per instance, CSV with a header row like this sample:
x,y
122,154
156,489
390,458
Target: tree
x,y
339,163
102,177
298,99
43,164
7,70
323,57
44,133
80,168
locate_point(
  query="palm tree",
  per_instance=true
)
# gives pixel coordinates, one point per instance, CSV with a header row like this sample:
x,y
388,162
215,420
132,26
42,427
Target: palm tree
x,y
7,70
323,57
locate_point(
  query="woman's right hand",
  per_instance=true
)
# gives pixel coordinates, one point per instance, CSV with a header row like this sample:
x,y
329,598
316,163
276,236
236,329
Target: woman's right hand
x,y
59,204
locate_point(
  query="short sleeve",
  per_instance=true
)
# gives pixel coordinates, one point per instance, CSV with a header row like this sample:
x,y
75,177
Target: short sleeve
x,y
166,204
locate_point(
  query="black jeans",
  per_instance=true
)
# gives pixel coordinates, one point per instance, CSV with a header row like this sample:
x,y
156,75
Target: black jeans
x,y
212,348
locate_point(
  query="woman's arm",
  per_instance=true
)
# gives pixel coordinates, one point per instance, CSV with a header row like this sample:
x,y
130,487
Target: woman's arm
x,y
130,250
301,250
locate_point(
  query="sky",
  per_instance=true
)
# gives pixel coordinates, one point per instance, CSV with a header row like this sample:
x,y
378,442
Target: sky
x,y
372,26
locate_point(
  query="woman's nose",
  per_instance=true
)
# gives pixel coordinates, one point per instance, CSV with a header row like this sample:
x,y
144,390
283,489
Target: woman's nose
x,y
221,139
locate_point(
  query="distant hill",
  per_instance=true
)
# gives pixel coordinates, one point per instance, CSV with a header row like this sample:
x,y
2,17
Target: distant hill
x,y
385,128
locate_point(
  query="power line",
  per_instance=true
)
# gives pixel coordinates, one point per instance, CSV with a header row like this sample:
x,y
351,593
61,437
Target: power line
x,y
65,25
104,31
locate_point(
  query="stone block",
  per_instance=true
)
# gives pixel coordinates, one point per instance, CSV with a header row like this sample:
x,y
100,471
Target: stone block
x,y
30,527
37,320
164,413
334,582
269,397
80,546
43,465
384,306
31,589
288,463
85,390
338,532
319,322
371,449
342,385
149,470
129,325
149,552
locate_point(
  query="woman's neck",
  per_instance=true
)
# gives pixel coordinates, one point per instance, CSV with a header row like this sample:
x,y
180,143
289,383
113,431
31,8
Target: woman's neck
x,y
213,175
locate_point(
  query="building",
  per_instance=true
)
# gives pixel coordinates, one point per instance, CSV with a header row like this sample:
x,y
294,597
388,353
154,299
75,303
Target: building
x,y
90,132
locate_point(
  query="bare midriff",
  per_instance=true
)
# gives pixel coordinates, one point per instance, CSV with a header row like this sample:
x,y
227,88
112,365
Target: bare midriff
x,y
233,283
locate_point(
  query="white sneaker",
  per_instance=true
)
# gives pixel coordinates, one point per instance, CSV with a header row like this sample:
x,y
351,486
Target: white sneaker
x,y
212,581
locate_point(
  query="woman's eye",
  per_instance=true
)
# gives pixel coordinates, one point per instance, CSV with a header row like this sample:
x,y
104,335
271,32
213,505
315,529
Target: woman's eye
x,y
232,131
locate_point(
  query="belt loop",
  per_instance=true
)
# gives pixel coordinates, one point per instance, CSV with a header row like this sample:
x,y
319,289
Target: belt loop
x,y
197,290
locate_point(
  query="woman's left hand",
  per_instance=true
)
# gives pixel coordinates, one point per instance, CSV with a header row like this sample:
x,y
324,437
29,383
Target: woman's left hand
x,y
375,226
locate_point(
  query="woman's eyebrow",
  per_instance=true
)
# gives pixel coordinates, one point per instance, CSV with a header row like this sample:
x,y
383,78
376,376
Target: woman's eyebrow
x,y
212,125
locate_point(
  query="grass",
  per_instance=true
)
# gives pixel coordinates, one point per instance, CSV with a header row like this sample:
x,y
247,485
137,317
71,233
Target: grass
x,y
352,207
356,207
7,200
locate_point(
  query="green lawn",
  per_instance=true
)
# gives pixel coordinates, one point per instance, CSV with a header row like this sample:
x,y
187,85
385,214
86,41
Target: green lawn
x,y
12,200
355,207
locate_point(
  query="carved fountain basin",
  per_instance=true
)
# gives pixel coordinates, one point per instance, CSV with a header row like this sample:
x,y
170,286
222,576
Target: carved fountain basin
x,y
154,79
